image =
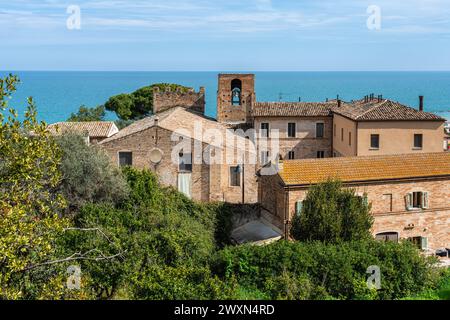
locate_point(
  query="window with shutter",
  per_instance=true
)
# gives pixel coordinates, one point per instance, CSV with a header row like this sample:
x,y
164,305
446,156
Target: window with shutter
x,y
408,199
365,200
298,207
424,243
425,200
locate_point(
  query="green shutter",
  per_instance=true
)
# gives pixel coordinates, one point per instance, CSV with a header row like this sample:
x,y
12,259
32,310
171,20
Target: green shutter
x,y
409,200
298,207
425,200
366,200
424,243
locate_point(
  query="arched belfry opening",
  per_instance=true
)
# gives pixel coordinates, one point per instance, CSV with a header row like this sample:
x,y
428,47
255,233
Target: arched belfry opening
x,y
235,97
236,92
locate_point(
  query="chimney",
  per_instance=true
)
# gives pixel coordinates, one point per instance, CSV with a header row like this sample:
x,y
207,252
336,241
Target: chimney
x,y
420,103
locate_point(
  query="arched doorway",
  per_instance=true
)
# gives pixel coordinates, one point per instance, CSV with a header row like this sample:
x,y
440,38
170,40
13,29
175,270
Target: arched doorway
x,y
387,236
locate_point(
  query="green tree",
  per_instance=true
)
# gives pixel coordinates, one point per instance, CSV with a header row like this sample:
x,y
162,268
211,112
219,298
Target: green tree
x,y
88,175
29,201
86,114
138,104
331,213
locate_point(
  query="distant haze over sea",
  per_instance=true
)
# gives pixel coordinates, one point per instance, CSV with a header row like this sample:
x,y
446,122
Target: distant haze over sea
x,y
58,94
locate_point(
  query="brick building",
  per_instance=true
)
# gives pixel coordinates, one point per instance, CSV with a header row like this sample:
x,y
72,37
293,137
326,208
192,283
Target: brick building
x,y
328,129
184,149
409,194
93,131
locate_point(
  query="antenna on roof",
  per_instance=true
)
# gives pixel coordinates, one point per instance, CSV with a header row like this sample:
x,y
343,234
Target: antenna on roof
x,y
280,96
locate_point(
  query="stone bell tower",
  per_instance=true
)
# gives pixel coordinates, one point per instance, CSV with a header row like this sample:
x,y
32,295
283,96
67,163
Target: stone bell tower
x,y
235,98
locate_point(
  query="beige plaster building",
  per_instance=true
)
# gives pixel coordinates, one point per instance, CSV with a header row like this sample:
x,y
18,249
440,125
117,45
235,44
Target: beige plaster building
x,y
380,127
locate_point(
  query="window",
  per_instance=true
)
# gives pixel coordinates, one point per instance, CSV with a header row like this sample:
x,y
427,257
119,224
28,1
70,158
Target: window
x,y
417,200
320,130
298,207
342,134
265,130
349,138
320,154
418,141
235,176
291,155
375,141
291,130
125,159
387,236
185,162
419,242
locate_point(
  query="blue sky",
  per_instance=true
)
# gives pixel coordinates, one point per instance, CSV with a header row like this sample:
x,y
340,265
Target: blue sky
x,y
252,35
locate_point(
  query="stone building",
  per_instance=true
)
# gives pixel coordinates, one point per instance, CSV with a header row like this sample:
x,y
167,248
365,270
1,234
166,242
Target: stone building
x,y
93,131
409,194
191,153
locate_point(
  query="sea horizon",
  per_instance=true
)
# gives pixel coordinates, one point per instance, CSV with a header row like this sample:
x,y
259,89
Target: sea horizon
x,y
58,93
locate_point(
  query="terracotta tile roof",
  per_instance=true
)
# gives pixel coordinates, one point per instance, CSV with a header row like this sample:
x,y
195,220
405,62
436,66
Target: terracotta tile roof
x,y
384,110
187,123
292,109
370,168
139,125
99,129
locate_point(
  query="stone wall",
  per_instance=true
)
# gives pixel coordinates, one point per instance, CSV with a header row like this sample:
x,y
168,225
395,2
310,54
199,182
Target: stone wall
x,y
164,100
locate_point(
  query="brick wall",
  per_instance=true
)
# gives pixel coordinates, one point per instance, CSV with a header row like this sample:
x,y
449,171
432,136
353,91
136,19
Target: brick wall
x,y
433,223
209,182
305,145
228,113
164,100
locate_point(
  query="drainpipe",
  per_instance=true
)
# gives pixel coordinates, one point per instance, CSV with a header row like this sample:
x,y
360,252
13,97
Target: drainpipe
x,y
243,182
286,214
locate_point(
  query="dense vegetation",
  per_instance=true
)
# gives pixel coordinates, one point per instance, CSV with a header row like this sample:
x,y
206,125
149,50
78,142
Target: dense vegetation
x,y
62,205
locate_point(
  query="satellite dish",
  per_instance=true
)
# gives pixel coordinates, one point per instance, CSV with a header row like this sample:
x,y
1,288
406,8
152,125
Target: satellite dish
x,y
156,155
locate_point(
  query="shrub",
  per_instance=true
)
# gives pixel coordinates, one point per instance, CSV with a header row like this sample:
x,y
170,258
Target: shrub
x,y
88,175
295,270
332,213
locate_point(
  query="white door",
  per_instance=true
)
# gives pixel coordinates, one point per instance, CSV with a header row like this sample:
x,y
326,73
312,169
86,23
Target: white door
x,y
184,184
